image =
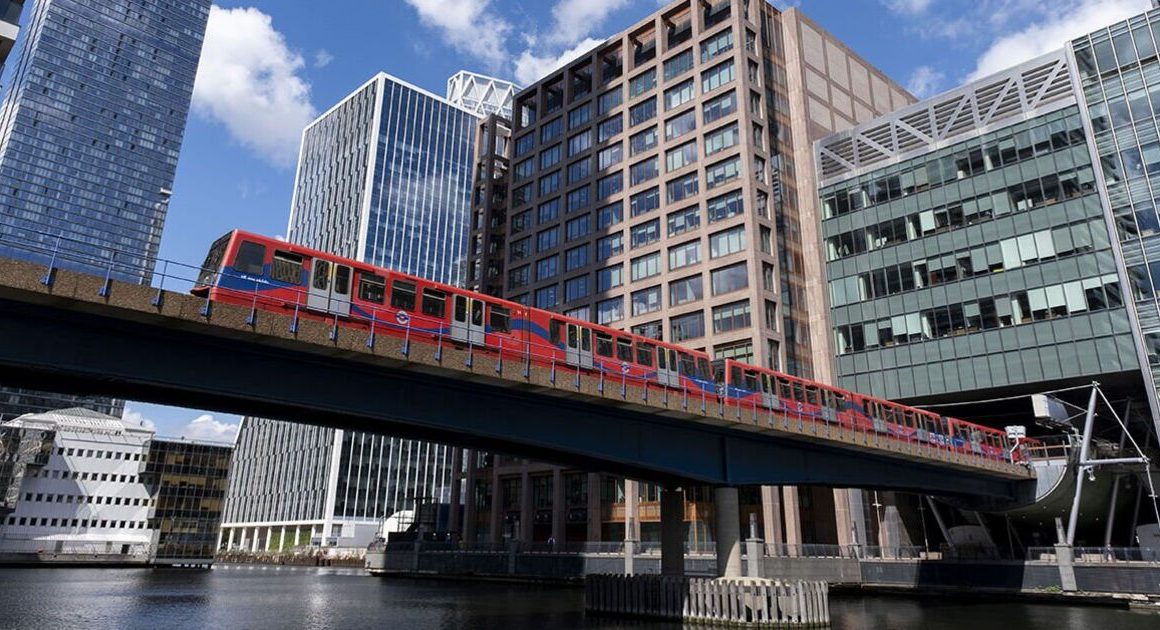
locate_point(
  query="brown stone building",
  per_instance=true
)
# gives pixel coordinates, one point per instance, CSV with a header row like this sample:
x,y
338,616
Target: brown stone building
x,y
663,183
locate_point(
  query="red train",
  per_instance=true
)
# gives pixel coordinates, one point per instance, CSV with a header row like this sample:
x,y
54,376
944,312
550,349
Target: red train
x,y
272,275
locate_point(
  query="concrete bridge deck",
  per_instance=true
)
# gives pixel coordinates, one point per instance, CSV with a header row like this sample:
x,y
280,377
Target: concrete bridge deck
x,y
82,333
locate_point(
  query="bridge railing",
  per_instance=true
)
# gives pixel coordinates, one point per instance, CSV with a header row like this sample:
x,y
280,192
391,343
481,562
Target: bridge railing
x,y
170,275
1098,555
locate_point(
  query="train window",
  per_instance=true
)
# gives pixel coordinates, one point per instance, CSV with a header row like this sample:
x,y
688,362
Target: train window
x,y
735,376
213,260
403,295
371,287
644,354
434,303
476,313
585,339
839,401
251,258
624,349
501,319
812,395
703,369
785,389
662,363
751,381
604,344
766,385
688,367
460,309
321,275
286,267
341,279
554,327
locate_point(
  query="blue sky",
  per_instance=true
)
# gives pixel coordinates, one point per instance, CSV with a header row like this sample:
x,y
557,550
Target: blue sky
x,y
269,67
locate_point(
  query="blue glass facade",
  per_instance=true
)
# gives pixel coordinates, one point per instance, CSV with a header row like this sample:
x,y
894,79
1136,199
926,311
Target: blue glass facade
x,y
90,130
92,124
385,177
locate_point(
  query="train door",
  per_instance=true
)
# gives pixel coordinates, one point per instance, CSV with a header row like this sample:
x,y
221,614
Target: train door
x,y
768,394
467,320
329,288
667,367
578,346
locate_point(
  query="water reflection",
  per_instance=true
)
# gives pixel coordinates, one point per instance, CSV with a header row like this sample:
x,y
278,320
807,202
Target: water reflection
x,y
300,597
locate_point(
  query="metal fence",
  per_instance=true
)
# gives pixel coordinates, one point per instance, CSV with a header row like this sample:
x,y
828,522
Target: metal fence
x,y
1098,555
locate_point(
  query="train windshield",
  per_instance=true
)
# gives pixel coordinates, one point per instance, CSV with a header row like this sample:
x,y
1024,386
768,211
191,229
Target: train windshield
x,y
213,260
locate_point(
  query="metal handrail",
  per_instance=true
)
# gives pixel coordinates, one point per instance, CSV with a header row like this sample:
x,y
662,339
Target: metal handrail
x,y
528,351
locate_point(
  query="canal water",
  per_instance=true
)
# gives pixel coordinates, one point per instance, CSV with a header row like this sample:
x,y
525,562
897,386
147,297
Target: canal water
x,y
245,597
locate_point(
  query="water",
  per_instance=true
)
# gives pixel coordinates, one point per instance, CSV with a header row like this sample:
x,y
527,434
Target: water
x,y
255,597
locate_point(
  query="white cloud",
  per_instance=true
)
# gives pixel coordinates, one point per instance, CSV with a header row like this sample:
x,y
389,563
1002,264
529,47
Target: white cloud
x,y
576,19
322,58
132,416
925,81
530,67
249,80
907,6
468,26
1062,23
204,427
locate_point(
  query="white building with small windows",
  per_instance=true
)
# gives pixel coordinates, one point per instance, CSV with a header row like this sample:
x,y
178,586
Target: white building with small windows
x,y
73,489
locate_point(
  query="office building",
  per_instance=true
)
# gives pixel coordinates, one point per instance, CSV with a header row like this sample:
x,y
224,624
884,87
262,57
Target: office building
x,y
481,95
384,177
663,183
10,11
90,130
80,486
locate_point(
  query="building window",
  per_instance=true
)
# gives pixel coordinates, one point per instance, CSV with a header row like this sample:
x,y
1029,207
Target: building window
x,y
579,198
729,279
579,142
642,83
738,351
547,239
732,316
610,156
651,330
552,130
646,301
719,44
679,94
643,171
721,139
548,297
684,220
579,170
643,141
722,172
576,288
719,107
577,228
645,202
646,266
680,157
576,258
521,248
609,128
609,246
522,194
609,278
547,268
680,125
681,188
610,215
609,185
716,76
645,234
550,157
524,168
685,290
641,112
579,116
684,254
727,242
524,144
679,65
725,206
609,100
549,184
609,311
548,211
690,326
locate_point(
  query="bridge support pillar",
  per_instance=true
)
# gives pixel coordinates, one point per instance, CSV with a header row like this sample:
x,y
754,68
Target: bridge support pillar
x,y
672,531
728,518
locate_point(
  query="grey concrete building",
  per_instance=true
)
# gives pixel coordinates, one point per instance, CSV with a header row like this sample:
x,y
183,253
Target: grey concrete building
x,y
663,183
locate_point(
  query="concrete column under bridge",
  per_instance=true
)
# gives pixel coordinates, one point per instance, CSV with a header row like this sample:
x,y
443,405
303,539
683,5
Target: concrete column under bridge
x,y
673,531
726,511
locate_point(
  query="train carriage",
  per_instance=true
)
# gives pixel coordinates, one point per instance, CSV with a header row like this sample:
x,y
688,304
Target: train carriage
x,y
267,274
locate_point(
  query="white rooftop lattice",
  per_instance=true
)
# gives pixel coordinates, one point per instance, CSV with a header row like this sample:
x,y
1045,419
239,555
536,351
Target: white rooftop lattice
x,y
481,94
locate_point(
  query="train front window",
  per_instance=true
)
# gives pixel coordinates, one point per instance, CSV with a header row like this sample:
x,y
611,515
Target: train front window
x,y
213,260
251,258
372,288
403,295
500,319
434,303
286,267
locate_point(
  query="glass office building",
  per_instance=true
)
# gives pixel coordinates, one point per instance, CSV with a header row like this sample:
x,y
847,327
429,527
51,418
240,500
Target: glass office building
x,y
90,130
1119,76
383,177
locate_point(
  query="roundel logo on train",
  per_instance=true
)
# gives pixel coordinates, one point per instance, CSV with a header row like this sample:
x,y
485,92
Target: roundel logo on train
x,y
403,318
